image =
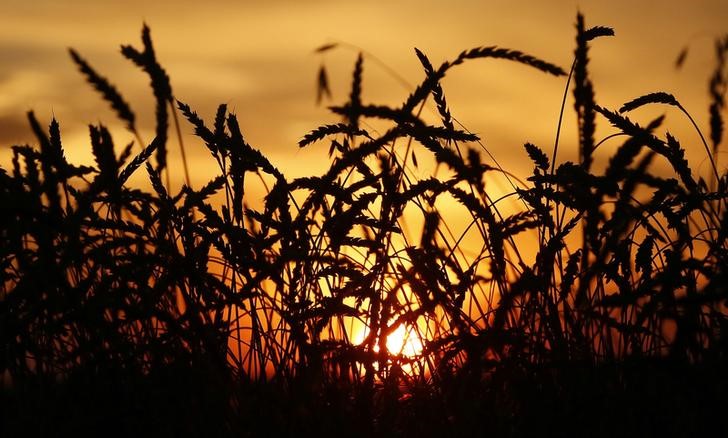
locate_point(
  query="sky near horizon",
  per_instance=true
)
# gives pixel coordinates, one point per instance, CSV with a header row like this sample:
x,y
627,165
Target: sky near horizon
x,y
258,57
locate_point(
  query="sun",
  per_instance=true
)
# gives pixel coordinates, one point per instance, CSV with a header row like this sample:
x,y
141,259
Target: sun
x,y
403,341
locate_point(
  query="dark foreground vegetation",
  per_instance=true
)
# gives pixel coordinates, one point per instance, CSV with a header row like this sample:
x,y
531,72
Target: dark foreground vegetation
x,y
141,312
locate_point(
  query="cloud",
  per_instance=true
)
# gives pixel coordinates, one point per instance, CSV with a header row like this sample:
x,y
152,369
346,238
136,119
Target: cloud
x,y
258,58
14,130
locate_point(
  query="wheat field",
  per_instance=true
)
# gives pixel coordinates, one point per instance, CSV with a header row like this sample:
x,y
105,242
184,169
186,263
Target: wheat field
x,y
417,287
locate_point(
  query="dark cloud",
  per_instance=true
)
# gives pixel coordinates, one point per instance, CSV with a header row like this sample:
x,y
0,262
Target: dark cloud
x,y
21,55
14,129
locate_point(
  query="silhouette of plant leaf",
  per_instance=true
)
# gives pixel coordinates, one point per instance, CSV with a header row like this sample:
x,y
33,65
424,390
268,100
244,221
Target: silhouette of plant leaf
x,y
537,155
137,161
322,85
659,97
106,89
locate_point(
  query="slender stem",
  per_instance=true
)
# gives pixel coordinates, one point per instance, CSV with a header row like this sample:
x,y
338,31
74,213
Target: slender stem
x,y
138,138
181,145
707,149
561,117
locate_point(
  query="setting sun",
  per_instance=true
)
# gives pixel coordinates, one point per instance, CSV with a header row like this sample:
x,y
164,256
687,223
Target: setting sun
x,y
404,342
401,342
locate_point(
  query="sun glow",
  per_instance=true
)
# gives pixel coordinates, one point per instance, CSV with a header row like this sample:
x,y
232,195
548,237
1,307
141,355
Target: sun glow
x,y
403,341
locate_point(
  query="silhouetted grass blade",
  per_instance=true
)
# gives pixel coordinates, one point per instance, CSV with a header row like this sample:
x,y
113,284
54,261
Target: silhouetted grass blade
x,y
106,89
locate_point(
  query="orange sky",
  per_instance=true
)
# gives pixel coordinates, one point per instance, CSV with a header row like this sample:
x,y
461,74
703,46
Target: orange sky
x,y
257,56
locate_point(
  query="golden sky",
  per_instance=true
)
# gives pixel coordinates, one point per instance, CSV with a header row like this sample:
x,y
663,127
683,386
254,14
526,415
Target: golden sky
x,y
257,56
